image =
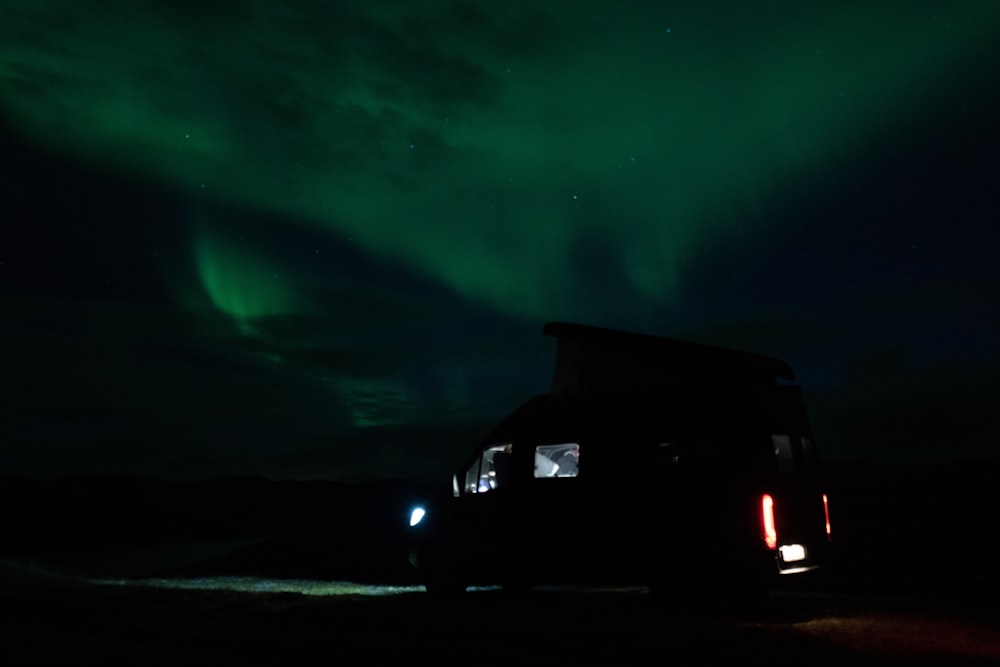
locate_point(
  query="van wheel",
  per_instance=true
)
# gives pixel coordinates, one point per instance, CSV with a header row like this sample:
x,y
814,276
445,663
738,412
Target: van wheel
x,y
444,589
675,596
515,587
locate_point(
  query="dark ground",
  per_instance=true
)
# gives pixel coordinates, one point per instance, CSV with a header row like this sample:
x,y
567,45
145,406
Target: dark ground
x,y
913,582
47,621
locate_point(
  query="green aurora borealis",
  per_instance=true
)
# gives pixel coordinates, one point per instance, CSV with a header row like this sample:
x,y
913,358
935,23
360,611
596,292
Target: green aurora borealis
x,y
476,144
585,161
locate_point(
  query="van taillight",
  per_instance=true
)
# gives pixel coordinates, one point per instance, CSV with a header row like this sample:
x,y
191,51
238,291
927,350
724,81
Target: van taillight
x,y
826,513
767,521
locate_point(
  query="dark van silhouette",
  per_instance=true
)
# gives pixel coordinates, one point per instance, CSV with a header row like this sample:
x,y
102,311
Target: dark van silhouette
x,y
651,461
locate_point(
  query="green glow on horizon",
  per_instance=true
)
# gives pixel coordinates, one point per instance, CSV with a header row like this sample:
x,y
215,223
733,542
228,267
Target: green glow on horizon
x,y
483,154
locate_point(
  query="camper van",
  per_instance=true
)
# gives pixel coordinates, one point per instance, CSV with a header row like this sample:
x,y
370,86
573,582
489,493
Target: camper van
x,y
651,462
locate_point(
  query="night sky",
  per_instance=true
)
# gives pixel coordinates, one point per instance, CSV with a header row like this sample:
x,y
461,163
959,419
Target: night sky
x,y
320,239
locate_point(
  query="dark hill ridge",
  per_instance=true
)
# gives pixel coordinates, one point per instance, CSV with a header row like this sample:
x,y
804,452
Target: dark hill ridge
x,y
899,529
245,525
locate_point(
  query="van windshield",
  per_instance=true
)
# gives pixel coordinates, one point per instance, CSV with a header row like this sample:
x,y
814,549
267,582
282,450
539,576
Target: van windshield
x,y
489,471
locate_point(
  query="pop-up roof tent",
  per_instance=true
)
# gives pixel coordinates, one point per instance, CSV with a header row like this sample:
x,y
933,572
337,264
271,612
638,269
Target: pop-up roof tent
x,y
593,359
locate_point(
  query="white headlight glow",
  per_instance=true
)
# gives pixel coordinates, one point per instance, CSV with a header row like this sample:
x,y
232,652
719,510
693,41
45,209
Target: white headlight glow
x,y
417,515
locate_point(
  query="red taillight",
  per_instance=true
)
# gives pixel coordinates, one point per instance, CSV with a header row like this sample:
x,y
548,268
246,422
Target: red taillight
x,y
826,513
767,521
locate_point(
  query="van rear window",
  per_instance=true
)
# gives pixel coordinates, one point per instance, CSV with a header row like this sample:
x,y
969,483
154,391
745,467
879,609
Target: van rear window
x,y
793,453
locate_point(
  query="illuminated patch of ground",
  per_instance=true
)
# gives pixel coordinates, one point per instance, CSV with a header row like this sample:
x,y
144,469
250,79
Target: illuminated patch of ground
x,y
262,585
315,587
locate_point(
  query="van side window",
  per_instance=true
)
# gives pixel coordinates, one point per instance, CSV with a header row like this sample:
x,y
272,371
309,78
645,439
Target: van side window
x,y
562,460
490,471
